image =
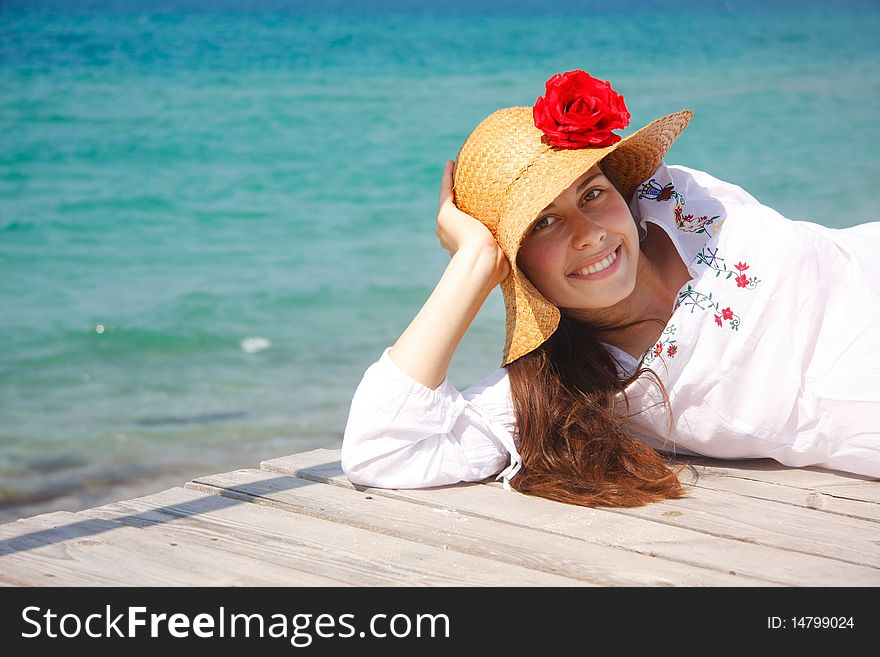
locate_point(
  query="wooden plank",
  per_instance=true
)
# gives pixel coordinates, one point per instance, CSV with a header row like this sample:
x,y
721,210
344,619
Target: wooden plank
x,y
68,549
322,465
673,533
773,472
839,499
718,513
802,530
345,553
863,491
537,550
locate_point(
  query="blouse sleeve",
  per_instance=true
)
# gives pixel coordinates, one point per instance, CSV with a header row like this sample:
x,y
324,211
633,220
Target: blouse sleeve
x,y
402,434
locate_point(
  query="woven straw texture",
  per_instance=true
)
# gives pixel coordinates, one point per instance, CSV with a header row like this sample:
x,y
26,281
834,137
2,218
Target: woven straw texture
x,y
506,174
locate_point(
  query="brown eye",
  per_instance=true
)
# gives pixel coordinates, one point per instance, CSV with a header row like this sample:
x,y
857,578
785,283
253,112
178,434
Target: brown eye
x,y
591,195
543,222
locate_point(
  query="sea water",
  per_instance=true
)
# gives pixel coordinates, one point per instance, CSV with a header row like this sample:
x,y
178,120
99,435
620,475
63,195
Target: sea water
x,y
215,215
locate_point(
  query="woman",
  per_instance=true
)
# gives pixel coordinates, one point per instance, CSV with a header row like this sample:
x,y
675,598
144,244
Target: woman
x,y
650,308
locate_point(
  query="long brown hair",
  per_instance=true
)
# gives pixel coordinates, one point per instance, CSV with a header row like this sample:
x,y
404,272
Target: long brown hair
x,y
574,446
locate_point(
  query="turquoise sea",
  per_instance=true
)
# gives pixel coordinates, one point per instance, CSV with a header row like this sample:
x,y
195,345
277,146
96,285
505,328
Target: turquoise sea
x,y
215,215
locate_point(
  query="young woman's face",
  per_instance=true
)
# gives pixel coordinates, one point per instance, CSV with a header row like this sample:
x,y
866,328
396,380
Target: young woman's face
x,y
583,251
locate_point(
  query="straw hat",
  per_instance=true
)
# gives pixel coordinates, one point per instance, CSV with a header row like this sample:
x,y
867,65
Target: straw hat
x,y
509,169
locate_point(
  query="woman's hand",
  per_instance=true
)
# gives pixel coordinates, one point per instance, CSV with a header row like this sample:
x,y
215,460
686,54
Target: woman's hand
x,y
459,231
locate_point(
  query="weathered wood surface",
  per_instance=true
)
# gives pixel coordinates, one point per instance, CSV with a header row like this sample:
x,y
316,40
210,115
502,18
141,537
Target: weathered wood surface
x,y
461,531
298,521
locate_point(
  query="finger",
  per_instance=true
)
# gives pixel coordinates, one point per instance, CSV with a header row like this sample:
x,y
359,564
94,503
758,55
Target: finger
x,y
446,182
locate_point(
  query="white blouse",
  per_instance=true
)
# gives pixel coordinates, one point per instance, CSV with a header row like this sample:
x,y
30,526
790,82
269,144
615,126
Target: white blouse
x,y
772,351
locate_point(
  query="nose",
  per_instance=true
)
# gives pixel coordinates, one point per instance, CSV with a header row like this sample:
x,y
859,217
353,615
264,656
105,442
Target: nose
x,y
585,232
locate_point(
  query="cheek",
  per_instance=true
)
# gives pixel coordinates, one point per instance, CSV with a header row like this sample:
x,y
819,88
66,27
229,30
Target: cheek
x,y
628,223
537,262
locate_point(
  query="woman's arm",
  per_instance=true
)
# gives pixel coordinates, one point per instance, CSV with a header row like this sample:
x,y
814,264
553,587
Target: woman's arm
x,y
425,348
402,434
406,427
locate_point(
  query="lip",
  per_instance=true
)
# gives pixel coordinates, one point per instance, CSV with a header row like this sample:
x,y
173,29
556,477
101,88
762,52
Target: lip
x,y
592,261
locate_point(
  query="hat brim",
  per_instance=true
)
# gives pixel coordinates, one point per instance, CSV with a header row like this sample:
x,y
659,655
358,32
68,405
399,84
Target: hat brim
x,y
531,319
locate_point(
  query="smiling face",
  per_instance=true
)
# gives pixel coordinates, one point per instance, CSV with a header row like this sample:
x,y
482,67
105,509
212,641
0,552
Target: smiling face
x,y
582,253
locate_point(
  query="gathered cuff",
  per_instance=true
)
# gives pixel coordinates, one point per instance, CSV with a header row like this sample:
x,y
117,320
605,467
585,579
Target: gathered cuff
x,y
444,406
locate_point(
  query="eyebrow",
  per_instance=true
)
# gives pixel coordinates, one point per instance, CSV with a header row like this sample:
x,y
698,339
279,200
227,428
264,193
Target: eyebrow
x,y
582,185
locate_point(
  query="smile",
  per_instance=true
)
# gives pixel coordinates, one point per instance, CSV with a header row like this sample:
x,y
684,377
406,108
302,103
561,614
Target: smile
x,y
606,267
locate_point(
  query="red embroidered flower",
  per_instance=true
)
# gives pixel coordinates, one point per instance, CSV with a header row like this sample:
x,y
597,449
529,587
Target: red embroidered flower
x,y
577,111
741,266
672,350
680,219
727,313
741,280
665,193
718,320
658,348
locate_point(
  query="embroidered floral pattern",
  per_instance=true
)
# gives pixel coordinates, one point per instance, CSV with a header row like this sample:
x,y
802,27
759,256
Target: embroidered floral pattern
x,y
722,314
743,280
691,298
689,224
652,190
666,343
709,257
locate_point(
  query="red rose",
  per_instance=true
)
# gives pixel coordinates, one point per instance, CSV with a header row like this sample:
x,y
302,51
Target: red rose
x,y
577,111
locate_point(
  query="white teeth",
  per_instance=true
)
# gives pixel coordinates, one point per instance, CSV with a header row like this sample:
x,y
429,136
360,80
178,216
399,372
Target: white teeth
x,y
599,266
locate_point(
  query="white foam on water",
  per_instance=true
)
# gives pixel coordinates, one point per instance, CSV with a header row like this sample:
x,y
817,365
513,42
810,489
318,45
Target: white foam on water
x,y
254,343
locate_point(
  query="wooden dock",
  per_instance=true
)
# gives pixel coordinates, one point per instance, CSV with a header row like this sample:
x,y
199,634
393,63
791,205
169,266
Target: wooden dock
x,y
297,521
